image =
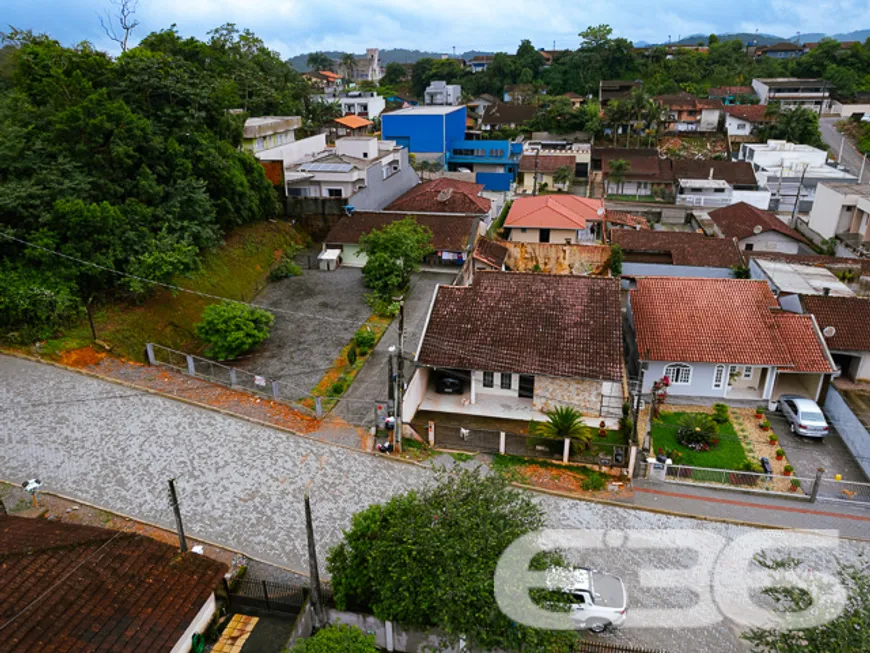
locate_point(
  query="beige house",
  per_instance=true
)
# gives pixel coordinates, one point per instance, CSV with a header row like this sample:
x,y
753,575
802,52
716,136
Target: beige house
x,y
543,169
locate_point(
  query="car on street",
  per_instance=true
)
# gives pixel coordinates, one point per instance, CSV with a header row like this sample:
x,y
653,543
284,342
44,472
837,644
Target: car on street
x,y
803,416
598,600
448,385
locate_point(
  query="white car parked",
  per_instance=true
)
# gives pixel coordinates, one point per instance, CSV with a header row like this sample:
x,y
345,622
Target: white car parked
x,y
599,599
804,416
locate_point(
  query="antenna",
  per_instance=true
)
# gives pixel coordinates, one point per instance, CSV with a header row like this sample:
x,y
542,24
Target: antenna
x,y
829,332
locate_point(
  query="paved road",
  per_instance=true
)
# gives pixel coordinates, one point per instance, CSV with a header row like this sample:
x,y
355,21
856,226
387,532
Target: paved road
x,y
241,485
371,382
851,159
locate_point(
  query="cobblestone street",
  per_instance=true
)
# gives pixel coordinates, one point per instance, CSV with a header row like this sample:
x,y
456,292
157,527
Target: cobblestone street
x,y
241,485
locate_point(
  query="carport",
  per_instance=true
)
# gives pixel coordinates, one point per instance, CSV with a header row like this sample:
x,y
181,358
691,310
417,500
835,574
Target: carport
x,y
797,383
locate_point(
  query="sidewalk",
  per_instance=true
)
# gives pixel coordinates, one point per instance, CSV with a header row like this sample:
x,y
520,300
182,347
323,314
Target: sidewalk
x,y
850,521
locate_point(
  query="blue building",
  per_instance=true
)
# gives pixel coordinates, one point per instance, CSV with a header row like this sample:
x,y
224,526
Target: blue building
x,y
425,130
494,163
438,133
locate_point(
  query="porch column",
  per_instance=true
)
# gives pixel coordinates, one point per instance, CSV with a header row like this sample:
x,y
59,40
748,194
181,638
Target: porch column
x,y
771,380
473,397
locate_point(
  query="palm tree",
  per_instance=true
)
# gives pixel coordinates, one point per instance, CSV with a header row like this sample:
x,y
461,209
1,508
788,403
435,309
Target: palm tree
x,y
618,169
319,61
564,176
348,63
642,107
563,422
616,113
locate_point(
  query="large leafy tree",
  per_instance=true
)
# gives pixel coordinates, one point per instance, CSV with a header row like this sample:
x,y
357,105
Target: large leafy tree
x,y
339,638
393,254
427,559
798,125
230,329
320,61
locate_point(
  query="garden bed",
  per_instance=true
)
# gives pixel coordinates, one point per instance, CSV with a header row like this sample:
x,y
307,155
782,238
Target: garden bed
x,y
729,453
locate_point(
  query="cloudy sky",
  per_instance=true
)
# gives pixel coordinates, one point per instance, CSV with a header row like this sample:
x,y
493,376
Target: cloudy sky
x,y
296,26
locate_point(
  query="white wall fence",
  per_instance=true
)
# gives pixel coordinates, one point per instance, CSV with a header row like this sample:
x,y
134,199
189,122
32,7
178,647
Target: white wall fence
x,y
854,434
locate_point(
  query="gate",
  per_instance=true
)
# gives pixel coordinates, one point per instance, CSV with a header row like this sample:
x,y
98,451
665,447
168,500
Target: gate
x,y
275,597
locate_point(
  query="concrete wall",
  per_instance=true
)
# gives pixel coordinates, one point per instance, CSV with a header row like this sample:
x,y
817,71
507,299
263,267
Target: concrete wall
x,y
557,236
846,110
828,215
294,151
198,625
414,393
582,394
850,428
771,241
556,258
665,270
380,192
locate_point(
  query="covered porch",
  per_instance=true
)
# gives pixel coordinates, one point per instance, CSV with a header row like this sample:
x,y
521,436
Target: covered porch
x,y
794,383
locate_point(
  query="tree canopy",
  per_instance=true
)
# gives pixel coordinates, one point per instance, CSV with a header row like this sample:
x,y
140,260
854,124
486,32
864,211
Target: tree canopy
x,y
132,164
427,559
393,254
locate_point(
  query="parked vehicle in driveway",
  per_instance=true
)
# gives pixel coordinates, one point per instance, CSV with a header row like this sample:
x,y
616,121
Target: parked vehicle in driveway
x,y
804,416
599,601
448,385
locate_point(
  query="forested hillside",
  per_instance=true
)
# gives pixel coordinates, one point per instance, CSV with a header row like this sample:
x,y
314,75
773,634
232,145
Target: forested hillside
x,y
131,164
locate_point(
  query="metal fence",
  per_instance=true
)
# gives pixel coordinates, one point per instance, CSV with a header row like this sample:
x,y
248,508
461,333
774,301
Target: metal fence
x,y
275,597
844,491
520,444
226,375
739,479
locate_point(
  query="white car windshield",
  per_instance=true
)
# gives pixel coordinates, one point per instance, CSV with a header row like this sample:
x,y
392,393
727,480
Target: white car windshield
x,y
812,417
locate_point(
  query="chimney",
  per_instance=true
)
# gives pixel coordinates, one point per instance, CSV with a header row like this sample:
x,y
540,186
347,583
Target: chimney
x,y
711,174
826,291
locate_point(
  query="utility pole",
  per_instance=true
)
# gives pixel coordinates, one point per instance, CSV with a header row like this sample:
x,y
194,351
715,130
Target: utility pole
x,y
173,500
797,197
535,182
391,380
313,571
840,154
861,174
400,375
91,317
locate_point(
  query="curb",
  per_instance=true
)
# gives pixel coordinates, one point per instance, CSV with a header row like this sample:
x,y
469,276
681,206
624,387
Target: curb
x,y
163,528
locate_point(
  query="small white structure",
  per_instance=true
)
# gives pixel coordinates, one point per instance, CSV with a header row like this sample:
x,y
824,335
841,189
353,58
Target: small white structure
x,y
792,92
785,278
265,132
329,259
440,93
843,211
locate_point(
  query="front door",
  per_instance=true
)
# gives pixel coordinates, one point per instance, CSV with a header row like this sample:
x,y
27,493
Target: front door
x,y
544,236
527,386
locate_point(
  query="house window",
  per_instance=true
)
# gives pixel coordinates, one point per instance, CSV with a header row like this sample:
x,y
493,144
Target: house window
x,y
333,192
747,372
506,381
748,247
365,155
719,377
488,379
679,373
496,153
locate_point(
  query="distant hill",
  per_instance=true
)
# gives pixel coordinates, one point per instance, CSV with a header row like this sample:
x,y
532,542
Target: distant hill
x,y
771,39
401,55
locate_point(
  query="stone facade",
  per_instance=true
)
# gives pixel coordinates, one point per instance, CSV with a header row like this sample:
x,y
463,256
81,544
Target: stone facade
x,y
582,394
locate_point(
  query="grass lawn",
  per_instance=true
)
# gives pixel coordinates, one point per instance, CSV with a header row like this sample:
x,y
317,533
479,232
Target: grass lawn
x,y
728,454
237,270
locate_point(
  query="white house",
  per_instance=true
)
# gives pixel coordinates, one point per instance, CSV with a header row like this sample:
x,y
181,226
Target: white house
x,y
267,132
523,344
362,103
441,93
741,120
725,339
843,211
791,92
756,230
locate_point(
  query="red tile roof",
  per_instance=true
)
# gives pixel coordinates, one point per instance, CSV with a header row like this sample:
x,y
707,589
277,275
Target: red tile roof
x,y
109,590
730,321
621,217
490,252
453,233
550,325
553,212
443,195
723,91
741,220
547,162
748,112
687,102
850,317
685,248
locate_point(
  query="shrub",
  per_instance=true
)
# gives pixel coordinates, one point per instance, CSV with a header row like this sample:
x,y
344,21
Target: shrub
x,y
364,339
780,452
337,638
759,410
230,329
788,468
363,352
616,258
285,268
720,413
338,388
351,354
697,430
795,483
751,466
594,483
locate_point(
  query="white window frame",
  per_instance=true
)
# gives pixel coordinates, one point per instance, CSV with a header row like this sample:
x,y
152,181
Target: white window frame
x,y
676,379
747,372
510,381
719,377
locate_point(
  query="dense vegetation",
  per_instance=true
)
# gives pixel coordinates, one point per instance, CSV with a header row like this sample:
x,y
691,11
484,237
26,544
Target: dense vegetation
x,y
131,164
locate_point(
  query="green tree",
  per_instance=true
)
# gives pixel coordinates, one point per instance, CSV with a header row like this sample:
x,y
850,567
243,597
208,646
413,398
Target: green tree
x,y
393,254
230,329
617,171
427,559
563,422
616,258
339,638
564,176
697,429
347,61
798,125
320,61
394,74
848,632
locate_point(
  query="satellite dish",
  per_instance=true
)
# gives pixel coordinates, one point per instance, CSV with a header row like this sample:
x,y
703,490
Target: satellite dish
x,y
757,229
601,211
829,332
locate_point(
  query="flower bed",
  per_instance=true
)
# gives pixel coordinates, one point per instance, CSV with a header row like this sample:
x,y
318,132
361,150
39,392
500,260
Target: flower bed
x,y
728,453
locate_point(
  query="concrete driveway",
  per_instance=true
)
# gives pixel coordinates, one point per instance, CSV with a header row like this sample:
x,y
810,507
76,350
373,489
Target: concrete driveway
x,y
851,159
371,382
806,455
324,309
